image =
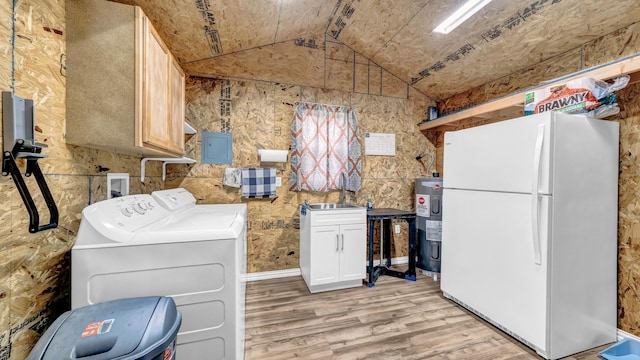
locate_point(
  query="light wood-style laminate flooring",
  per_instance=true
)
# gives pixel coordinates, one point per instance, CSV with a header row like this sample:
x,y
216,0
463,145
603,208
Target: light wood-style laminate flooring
x,y
395,319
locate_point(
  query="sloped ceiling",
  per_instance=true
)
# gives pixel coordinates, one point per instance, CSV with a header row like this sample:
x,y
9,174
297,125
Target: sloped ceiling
x,y
290,40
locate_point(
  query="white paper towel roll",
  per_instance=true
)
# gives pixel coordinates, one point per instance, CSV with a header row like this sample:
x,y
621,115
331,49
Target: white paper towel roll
x,y
272,155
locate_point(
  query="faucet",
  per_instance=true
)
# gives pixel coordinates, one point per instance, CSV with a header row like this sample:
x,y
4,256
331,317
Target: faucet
x,y
343,187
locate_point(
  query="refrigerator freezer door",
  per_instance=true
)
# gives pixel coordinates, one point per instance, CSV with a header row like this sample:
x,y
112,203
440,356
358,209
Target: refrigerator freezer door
x,y
488,261
505,156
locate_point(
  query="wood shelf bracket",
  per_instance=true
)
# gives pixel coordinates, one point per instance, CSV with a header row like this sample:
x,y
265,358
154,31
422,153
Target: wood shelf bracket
x,y
165,161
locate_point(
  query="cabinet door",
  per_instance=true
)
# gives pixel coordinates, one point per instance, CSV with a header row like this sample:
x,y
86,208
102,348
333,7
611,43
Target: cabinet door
x,y
176,101
325,254
353,251
155,112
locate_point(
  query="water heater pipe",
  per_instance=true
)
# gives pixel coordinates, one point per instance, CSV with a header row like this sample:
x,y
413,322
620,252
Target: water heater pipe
x,y
431,159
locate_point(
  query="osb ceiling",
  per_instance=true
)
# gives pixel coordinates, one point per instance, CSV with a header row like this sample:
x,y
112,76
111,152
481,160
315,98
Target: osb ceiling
x,y
291,40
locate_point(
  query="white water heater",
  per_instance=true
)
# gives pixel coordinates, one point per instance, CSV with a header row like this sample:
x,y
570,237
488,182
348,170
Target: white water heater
x,y
429,222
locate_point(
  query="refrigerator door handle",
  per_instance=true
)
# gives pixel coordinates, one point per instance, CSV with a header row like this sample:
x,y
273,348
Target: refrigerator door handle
x,y
535,195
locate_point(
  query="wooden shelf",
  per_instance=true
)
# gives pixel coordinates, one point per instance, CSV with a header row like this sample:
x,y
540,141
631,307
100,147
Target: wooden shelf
x,y
512,105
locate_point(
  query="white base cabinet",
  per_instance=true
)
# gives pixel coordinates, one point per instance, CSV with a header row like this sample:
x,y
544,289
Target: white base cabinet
x,y
333,248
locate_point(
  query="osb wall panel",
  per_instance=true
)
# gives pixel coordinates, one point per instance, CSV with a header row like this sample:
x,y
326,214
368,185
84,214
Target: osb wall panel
x,y
391,117
284,62
393,86
260,117
388,18
372,79
525,28
629,210
39,264
324,96
360,59
413,95
337,51
339,75
5,45
618,44
5,269
361,82
215,27
34,265
504,37
566,63
5,187
375,80
621,43
331,66
253,123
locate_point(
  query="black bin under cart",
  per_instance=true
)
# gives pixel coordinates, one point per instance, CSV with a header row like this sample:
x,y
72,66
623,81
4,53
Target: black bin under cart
x,y
141,328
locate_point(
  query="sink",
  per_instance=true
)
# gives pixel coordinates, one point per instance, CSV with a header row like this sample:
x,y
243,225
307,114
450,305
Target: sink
x,y
332,206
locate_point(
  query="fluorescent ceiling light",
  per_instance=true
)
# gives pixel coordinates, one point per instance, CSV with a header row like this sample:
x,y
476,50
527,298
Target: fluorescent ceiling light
x,y
469,8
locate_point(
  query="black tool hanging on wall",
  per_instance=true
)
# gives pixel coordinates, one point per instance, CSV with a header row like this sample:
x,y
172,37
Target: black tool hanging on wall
x,y
18,140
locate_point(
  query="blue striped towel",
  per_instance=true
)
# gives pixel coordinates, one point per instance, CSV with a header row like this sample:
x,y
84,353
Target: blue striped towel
x,y
259,182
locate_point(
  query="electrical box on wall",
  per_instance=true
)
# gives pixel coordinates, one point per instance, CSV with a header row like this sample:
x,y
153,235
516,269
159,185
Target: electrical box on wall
x,y
117,185
216,148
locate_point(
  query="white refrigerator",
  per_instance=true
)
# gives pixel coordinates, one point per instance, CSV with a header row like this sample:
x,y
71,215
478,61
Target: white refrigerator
x,y
529,228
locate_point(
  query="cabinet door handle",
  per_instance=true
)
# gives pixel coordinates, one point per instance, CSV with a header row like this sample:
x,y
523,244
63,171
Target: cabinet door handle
x,y
337,242
342,242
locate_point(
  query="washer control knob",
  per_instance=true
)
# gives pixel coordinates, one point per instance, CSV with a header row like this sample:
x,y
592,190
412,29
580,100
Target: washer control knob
x,y
137,208
126,212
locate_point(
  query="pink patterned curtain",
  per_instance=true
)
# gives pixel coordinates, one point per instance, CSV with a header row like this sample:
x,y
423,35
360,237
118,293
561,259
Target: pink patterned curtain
x,y
326,143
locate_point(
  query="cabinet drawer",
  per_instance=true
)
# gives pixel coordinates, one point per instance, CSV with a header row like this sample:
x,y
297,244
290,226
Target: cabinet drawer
x,y
338,217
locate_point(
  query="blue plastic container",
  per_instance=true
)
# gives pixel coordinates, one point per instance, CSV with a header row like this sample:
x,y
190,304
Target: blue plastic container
x,y
143,328
625,349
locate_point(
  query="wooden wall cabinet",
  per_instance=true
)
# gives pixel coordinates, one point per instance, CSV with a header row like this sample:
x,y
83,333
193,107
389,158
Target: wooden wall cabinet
x,y
125,91
333,248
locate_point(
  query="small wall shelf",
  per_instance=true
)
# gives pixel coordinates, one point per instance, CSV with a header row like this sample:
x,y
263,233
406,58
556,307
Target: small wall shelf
x,y
165,161
188,129
513,105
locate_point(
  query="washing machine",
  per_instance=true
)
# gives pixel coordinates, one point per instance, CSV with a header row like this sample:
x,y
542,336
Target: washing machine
x,y
164,244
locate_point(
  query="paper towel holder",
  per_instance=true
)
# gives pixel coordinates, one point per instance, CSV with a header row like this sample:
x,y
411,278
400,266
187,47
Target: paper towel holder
x,y
273,155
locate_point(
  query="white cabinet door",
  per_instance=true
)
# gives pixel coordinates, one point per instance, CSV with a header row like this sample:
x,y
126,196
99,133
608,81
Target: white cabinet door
x,y
352,251
325,254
